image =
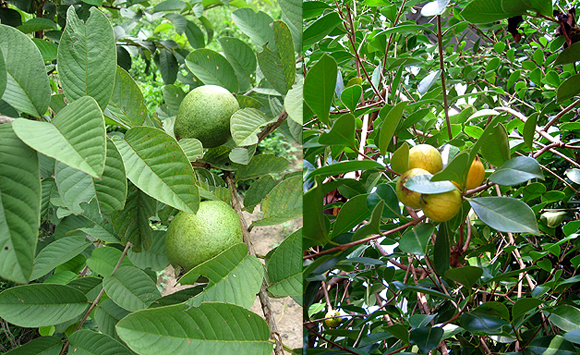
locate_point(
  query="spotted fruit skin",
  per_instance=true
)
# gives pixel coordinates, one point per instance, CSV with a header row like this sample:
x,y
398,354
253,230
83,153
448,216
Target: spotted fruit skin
x,y
408,197
425,156
332,322
476,174
441,207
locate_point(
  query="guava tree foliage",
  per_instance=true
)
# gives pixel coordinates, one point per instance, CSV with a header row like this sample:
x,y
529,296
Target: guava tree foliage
x,y
490,79
90,179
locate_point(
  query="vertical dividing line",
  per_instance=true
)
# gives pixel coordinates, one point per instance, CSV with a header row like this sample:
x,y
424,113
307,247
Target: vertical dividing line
x,y
442,66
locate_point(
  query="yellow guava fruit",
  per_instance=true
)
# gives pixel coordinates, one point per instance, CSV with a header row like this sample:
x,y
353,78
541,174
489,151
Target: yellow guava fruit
x,y
441,207
192,239
332,322
408,197
205,114
425,156
476,174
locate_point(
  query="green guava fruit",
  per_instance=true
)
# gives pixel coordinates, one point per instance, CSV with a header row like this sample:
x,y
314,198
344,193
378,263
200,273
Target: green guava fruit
x,y
192,239
332,322
205,114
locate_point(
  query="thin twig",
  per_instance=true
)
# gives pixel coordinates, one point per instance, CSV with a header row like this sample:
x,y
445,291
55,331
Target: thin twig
x,y
442,67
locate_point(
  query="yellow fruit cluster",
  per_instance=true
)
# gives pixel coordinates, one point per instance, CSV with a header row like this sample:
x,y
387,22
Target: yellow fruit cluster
x,y
425,159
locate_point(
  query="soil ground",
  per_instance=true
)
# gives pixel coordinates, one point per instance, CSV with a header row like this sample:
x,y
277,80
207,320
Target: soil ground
x,y
287,313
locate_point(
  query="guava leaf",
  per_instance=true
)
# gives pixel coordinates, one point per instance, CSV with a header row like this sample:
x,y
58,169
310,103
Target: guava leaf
x,y
86,342
107,315
25,85
210,328
212,69
58,252
255,25
87,57
293,104
39,305
261,165
283,203
131,288
127,105
285,267
257,191
246,124
40,346
155,257
74,186
111,188
104,259
234,277
173,96
241,57
20,198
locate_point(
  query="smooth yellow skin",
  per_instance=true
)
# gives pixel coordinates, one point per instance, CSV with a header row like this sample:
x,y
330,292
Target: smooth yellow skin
x,y
441,207
406,196
332,322
425,156
476,174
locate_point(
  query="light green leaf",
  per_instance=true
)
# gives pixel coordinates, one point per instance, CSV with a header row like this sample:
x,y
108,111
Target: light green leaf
x,y
131,288
212,69
285,267
210,328
568,89
279,66
292,15
241,57
245,125
351,96
235,277
127,105
192,147
257,191
341,133
256,25
111,188
516,171
391,120
173,96
39,305
416,240
466,275
485,11
37,24
74,186
495,147
86,342
104,259
76,136
319,29
283,203
27,88
155,257
157,165
107,315
319,86
260,165
293,104
87,57
20,197
565,317
505,214
56,253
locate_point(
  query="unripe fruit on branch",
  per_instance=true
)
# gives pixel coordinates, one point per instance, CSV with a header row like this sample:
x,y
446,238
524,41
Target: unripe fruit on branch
x,y
408,197
332,322
476,174
441,207
426,157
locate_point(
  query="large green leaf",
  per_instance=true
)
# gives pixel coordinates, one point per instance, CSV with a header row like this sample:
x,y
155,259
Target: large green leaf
x,y
516,171
241,57
87,57
127,105
260,165
353,212
132,222
341,133
26,86
39,346
467,275
569,88
426,338
167,64
565,317
173,96
279,66
155,257
245,124
552,344
86,342
74,186
345,167
319,29
283,203
256,25
111,188
319,86
416,240
131,288
495,148
210,328
58,252
293,104
39,305
505,214
482,323
76,136
235,277
485,11
391,120
3,74
212,69
104,259
292,15
158,166
285,267
107,315
20,196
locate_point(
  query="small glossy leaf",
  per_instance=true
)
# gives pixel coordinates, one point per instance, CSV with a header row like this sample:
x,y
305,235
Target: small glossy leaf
x,y
76,136
569,88
505,214
552,344
58,252
20,198
574,175
386,193
495,148
416,240
481,323
427,291
39,305
284,267
87,57
319,29
25,85
131,288
391,120
484,11
516,171
283,203
466,275
569,55
428,81
319,86
86,342
212,68
210,328
400,159
422,184
573,336
345,167
353,212
351,96
127,105
566,317
441,249
524,305
341,133
426,338
530,130
157,165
